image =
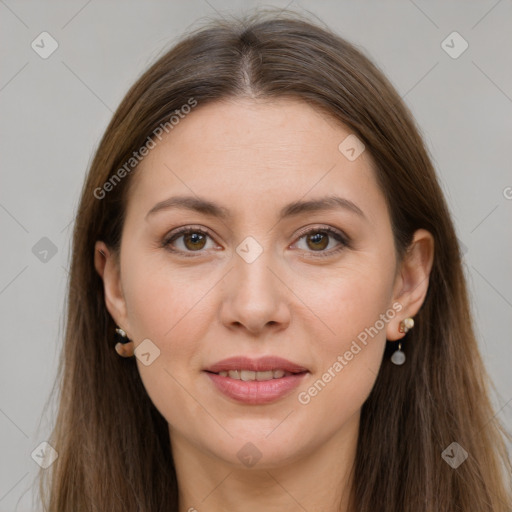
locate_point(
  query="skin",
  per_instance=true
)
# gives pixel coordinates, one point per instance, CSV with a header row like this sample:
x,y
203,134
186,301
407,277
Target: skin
x,y
253,157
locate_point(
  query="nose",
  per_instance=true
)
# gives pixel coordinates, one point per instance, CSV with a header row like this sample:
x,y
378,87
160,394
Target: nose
x,y
255,296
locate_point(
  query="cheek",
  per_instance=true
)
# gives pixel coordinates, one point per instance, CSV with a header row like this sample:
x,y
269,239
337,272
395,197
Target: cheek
x,y
352,301
160,298
356,309
164,305
172,307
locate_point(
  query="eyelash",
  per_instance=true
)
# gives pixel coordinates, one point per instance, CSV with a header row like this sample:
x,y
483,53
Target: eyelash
x,y
340,237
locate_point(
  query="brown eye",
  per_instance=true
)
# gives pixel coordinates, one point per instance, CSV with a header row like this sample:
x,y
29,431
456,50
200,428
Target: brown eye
x,y
186,241
194,241
318,241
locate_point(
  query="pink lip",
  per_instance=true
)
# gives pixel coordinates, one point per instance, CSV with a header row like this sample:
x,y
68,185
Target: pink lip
x,y
256,392
261,364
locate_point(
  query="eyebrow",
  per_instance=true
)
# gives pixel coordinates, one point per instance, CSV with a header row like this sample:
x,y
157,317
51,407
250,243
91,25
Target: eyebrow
x,y
212,209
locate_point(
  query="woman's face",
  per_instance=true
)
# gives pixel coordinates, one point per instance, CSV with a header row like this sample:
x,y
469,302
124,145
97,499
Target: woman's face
x,y
266,279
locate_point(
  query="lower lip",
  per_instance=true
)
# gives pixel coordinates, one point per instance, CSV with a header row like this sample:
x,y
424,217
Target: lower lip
x,y
256,392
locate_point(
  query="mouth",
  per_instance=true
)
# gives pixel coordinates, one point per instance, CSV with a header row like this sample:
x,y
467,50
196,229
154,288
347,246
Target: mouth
x,y
256,381
250,375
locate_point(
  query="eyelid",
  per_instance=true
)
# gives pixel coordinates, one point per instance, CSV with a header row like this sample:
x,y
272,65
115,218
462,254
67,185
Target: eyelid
x,y
324,227
183,230
343,240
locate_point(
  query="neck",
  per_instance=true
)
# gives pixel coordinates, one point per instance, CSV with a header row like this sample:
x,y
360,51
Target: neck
x,y
320,479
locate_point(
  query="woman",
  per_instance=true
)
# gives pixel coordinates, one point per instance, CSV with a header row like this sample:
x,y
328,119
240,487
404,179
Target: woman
x,y
267,308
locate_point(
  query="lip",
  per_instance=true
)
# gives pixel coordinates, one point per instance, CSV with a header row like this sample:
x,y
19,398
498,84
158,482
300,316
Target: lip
x,y
255,392
261,364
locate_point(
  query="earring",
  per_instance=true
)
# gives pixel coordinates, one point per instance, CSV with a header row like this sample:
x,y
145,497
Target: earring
x,y
398,357
124,346
406,324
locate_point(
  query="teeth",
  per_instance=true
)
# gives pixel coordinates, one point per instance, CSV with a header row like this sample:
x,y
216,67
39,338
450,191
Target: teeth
x,y
265,375
247,375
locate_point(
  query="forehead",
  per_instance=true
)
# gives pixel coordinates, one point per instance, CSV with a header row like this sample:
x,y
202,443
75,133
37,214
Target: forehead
x,y
243,152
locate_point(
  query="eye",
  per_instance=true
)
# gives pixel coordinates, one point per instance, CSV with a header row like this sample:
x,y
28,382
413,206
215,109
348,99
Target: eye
x,y
194,240
318,239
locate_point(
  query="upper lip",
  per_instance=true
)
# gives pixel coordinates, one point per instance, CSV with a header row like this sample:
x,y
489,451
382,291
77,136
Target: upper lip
x,y
261,364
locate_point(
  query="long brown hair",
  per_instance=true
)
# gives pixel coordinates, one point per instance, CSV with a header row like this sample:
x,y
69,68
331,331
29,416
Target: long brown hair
x,y
113,444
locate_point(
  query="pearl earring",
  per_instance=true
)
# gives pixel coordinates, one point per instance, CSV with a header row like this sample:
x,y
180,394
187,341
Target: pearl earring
x,y
398,357
406,324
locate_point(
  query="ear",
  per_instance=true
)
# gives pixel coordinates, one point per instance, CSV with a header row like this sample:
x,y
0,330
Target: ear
x,y
412,280
107,266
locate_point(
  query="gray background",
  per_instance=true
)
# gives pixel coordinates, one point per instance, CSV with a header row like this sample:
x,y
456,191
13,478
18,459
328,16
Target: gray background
x,y
54,111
